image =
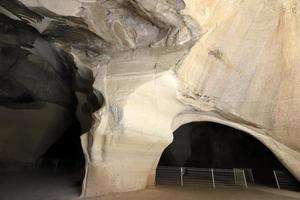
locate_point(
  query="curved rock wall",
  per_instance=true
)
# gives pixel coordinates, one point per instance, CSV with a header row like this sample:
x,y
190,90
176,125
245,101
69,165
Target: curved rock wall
x,y
122,45
245,64
235,71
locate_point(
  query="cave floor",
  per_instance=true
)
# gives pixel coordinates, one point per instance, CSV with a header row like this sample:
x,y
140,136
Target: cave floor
x,y
32,184
39,184
190,193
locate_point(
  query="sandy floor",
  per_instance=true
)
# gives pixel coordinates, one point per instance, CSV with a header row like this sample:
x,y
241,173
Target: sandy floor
x,y
44,185
177,193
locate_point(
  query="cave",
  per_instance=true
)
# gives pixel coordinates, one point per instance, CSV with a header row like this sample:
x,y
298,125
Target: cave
x,y
46,104
209,145
25,167
92,91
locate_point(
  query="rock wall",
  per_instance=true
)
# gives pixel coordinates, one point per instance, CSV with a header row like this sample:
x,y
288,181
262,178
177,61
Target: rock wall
x,y
245,65
233,76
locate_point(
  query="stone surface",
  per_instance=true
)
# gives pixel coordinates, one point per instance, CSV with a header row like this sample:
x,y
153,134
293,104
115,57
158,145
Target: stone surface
x,y
41,90
247,67
234,76
157,69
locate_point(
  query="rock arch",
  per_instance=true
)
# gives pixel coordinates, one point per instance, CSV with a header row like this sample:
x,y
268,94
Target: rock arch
x,y
150,114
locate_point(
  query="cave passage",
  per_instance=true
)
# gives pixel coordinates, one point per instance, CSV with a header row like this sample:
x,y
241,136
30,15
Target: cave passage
x,y
46,103
212,145
40,150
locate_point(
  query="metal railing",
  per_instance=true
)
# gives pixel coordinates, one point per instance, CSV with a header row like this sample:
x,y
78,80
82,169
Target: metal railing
x,y
169,175
201,177
249,176
284,180
188,176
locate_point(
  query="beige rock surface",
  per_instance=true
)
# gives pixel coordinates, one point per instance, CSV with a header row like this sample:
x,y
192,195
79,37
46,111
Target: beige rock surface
x,y
245,67
241,73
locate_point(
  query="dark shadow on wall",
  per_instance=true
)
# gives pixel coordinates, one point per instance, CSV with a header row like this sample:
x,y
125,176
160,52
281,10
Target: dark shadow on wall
x,y
56,174
212,145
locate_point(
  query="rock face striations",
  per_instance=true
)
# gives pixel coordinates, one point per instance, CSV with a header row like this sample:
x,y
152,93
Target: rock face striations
x,y
150,66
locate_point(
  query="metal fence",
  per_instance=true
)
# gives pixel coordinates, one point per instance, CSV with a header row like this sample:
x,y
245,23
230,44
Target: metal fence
x,y
201,177
249,176
284,180
168,175
188,176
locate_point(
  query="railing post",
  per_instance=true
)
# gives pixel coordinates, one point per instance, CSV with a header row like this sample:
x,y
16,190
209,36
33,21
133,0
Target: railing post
x,y
277,183
213,178
235,176
181,176
250,173
245,181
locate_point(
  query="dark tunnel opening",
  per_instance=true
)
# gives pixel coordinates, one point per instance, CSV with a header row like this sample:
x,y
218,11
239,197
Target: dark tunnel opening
x,y
212,145
68,146
65,154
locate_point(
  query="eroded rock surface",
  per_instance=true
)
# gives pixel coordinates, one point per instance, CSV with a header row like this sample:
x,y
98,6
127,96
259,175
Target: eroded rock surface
x,y
39,87
119,45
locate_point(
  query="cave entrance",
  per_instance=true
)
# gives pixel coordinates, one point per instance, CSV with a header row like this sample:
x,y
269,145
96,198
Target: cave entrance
x,y
208,145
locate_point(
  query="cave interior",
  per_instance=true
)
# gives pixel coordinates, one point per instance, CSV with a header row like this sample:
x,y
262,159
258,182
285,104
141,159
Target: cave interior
x,y
213,145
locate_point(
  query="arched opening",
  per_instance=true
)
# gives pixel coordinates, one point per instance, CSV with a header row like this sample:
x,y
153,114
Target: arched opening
x,y
213,145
